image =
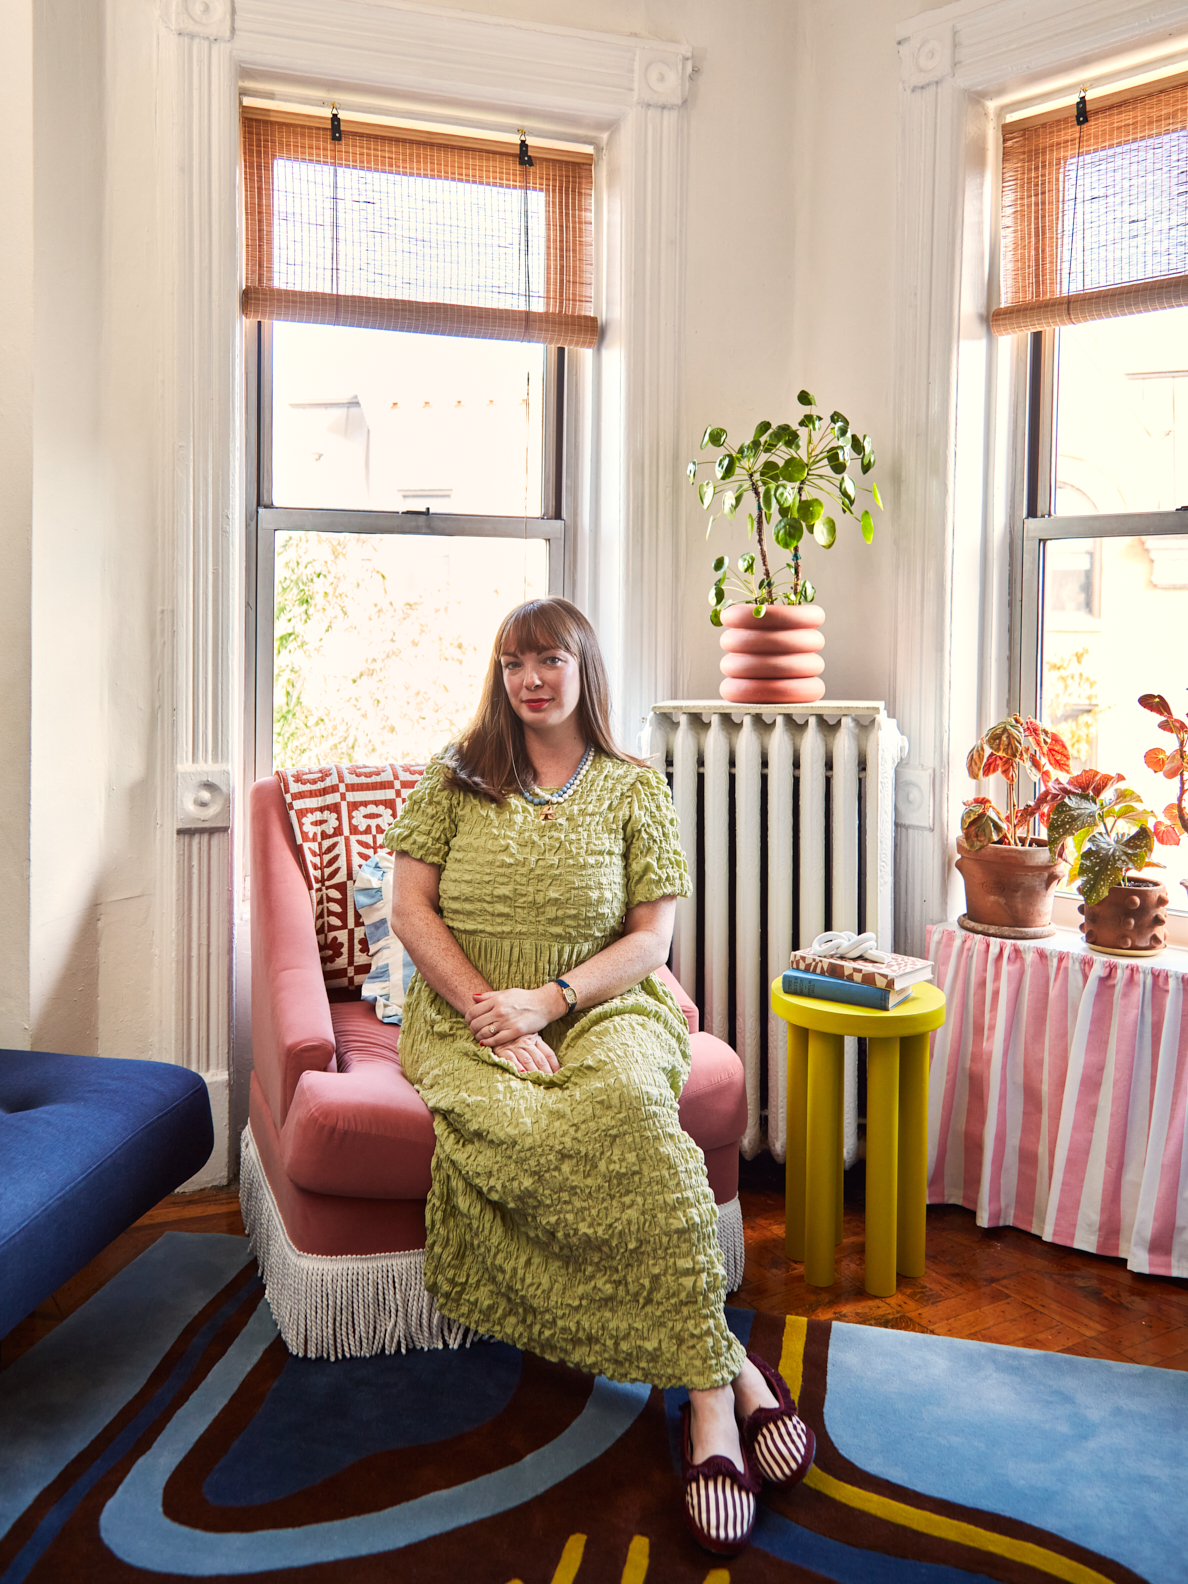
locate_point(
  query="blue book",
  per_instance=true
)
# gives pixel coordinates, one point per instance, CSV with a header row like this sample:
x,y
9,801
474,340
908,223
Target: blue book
x,y
824,987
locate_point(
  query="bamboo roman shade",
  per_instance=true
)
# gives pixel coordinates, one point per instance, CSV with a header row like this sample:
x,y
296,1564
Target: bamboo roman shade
x,y
394,229
1095,218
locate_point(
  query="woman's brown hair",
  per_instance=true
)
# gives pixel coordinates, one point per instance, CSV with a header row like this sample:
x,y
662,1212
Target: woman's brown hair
x,y
491,757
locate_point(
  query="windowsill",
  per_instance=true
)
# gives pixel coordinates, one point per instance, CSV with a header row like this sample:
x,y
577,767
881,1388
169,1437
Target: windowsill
x,y
1066,917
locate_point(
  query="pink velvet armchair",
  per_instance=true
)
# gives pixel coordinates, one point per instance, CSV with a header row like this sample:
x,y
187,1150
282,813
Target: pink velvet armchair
x,y
337,1153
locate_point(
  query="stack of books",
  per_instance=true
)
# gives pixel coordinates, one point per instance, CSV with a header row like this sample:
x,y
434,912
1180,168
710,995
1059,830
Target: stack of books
x,y
880,986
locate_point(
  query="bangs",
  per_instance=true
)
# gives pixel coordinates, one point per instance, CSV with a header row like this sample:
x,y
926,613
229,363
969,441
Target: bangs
x,y
539,625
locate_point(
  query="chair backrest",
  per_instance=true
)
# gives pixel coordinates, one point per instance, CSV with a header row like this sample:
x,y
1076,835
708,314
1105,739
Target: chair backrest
x,y
339,814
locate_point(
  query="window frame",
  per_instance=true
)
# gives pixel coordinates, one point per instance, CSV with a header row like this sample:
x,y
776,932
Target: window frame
x,y
1039,526
265,520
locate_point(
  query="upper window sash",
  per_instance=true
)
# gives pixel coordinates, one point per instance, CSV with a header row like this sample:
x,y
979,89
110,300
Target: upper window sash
x,y
394,229
1095,216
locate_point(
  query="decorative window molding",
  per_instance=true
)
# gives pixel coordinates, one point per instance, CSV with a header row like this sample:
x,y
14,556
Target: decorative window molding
x,y
1169,561
624,95
957,432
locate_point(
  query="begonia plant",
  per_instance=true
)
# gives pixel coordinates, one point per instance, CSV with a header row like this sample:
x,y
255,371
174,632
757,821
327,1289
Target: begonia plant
x,y
1013,746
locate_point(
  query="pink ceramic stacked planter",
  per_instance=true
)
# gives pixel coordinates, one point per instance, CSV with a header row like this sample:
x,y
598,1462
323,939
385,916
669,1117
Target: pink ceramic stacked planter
x,y
774,658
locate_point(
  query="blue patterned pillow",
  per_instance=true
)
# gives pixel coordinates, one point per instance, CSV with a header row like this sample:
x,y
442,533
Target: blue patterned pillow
x,y
391,966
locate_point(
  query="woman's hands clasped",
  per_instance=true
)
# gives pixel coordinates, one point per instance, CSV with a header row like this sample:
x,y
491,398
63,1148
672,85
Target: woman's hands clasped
x,y
508,1023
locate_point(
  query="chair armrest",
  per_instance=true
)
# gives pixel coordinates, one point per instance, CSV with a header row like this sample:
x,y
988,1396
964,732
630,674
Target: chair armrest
x,y
691,1015
291,1028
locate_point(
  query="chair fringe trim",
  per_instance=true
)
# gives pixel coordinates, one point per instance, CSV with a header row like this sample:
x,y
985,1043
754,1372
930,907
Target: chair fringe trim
x,y
357,1305
732,1243
339,1305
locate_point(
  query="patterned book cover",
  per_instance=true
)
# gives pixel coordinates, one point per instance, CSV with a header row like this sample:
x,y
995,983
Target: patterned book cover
x,y
894,974
827,987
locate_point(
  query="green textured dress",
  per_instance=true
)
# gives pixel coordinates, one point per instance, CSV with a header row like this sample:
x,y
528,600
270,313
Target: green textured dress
x,y
570,1213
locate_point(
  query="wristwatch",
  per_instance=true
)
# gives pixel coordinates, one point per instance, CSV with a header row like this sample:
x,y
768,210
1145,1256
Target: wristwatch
x,y
568,992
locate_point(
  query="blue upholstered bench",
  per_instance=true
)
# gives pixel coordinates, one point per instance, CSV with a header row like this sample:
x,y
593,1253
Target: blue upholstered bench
x,y
87,1145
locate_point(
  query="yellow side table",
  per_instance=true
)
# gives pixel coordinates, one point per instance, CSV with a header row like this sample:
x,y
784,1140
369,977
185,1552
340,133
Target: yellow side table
x,y
896,1131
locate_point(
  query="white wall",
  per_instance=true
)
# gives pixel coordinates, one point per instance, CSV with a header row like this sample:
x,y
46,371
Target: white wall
x,y
98,638
792,125
16,521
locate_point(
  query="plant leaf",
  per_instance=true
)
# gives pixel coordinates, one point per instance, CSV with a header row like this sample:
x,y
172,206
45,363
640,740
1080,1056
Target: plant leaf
x,y
726,465
867,526
1069,816
705,492
691,472
825,532
805,399
1156,703
1103,864
878,499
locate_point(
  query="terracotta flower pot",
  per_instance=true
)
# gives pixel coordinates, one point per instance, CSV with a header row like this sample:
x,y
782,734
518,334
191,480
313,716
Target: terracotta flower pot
x,y
774,658
1130,920
1009,890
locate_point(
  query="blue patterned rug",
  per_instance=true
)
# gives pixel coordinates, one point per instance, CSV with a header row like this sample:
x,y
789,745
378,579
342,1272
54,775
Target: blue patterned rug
x,y
163,1433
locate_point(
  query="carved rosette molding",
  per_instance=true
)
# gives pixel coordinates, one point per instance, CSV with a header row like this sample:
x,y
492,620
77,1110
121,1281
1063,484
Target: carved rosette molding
x,y
662,77
208,19
956,64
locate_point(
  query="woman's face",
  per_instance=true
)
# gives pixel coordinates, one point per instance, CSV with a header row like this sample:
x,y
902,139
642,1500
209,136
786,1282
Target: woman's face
x,y
543,687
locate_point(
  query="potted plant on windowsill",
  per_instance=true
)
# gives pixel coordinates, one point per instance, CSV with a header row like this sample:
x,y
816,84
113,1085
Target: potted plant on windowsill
x,y
771,638
1171,763
1113,836
1010,876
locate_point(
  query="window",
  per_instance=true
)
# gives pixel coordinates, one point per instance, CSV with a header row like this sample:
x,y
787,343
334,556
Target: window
x,y
1095,240
413,299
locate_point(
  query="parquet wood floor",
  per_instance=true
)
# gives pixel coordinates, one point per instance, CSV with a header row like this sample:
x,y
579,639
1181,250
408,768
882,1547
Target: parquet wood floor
x,y
1000,1285
994,1285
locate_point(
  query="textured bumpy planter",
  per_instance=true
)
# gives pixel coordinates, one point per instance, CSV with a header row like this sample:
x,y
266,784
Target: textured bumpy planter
x,y
1130,921
1009,890
774,658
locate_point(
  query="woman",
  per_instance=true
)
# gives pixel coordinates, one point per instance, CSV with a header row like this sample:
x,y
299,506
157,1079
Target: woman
x,y
535,883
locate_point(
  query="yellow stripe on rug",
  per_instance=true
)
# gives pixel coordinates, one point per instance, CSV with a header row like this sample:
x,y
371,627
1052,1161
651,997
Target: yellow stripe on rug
x,y
891,1511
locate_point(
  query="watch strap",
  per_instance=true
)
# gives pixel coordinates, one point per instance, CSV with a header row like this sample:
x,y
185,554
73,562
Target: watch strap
x,y
568,992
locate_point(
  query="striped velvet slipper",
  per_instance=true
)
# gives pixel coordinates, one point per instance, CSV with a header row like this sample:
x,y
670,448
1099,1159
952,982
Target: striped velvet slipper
x,y
777,1440
720,1502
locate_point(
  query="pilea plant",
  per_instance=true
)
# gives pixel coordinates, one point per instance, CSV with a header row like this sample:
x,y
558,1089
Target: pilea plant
x,y
789,471
1112,833
1009,748
1173,764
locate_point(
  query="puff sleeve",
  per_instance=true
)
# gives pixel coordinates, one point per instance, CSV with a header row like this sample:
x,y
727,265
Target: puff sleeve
x,y
428,821
654,858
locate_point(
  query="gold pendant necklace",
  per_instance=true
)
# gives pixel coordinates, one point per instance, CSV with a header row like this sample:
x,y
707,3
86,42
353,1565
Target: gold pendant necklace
x,y
547,812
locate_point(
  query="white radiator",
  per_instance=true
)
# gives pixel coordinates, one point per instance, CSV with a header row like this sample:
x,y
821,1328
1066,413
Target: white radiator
x,y
787,816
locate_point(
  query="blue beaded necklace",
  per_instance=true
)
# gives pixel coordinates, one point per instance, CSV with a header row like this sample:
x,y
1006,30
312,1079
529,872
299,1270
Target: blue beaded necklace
x,y
546,803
